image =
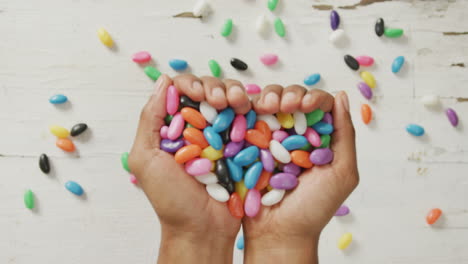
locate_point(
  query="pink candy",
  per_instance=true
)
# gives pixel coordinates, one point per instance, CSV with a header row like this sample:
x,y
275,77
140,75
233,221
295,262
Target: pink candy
x,y
163,132
239,126
172,100
141,57
269,59
197,167
365,60
252,88
313,137
133,179
175,128
252,202
280,135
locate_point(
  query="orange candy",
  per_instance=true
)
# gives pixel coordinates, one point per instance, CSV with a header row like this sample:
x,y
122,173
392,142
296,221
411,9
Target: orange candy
x,y
366,113
65,144
187,153
263,127
195,136
433,216
236,206
193,117
255,137
301,159
263,181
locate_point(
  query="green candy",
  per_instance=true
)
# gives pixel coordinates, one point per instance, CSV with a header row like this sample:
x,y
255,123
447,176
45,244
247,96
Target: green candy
x,y
227,28
168,119
29,199
279,27
124,160
307,147
325,141
152,72
272,4
314,116
393,32
214,67
188,125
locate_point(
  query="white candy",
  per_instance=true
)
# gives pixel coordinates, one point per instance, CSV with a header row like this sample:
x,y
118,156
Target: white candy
x,y
336,36
430,100
300,123
217,192
201,8
208,112
279,152
208,178
273,197
261,24
271,121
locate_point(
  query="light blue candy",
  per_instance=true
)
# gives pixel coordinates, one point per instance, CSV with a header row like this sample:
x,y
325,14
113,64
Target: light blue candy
x,y
74,188
235,171
58,99
312,79
240,243
178,65
223,120
246,156
397,64
415,130
323,128
251,119
213,138
294,142
252,175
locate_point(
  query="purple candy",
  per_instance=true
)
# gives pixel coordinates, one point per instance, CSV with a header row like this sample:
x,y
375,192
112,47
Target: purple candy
x,y
343,210
292,168
452,116
267,160
334,19
283,181
291,131
328,118
365,90
171,146
232,148
321,156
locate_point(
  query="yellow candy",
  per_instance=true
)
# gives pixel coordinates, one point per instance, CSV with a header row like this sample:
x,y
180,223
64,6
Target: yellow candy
x,y
345,240
286,120
59,131
368,78
241,189
269,188
105,38
211,153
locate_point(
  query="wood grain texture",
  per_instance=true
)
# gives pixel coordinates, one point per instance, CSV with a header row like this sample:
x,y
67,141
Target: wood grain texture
x,y
51,46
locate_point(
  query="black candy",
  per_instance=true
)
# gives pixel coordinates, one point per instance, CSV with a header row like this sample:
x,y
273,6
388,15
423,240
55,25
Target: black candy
x,y
186,101
226,135
351,62
44,164
222,171
230,187
238,64
78,129
379,27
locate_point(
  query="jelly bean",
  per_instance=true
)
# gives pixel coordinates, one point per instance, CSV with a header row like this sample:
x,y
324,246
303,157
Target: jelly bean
x,y
365,90
397,64
247,156
352,63
104,37
334,20
283,181
279,152
193,117
269,59
59,131
65,144
321,156
58,99
217,192
291,131
452,116
273,197
252,203
223,120
336,36
292,168
207,178
301,159
195,136
285,119
279,27
312,79
172,100
241,189
433,216
197,167
229,186
379,27
168,119
252,174
328,118
430,100
152,72
44,164
251,117
201,8
78,129
236,206
294,142
208,112
187,102
270,120
211,153
124,161
29,199
187,153
342,211
239,125
267,160
263,127
263,181
345,240
178,65
141,57
232,148
235,171
323,128
227,28
222,171
272,4
176,127
415,130
252,88
261,25
366,113
74,188
307,147
368,78
314,117
238,64
133,179
214,68
325,139
280,135
300,122
256,138
393,32
365,60
240,243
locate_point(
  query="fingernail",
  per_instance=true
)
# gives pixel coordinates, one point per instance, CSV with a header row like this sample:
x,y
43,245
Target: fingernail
x,y
289,98
217,92
235,90
307,98
158,84
345,101
196,85
271,98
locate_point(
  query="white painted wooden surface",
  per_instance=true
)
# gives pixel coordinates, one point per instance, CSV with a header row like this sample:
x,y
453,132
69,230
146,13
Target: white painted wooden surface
x,y
50,46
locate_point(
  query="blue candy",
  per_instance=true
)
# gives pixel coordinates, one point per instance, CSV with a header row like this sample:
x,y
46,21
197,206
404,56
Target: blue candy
x,y
323,128
223,120
251,117
252,175
294,142
397,64
246,156
178,65
213,138
235,171
74,188
240,243
312,79
415,130
58,99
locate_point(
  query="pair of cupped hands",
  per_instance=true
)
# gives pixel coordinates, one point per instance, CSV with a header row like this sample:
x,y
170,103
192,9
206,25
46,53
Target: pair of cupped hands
x,y
198,229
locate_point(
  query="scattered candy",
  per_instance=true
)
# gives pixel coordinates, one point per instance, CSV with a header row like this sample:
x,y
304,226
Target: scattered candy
x,y
201,8
252,88
59,131
133,179
152,72
178,65
368,78
342,211
352,63
430,100
240,243
365,60
272,4
214,68
273,197
312,79
433,216
105,38
336,36
74,188
124,161
397,64
238,64
452,116
345,240
379,27
217,192
227,28
279,27
29,199
44,164
393,32
334,20
366,113
269,59
365,90
78,129
415,130
261,25
141,57
58,99
65,144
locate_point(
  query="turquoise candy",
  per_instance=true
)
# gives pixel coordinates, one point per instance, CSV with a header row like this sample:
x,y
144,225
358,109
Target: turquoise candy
x,y
323,128
415,130
252,175
397,64
58,99
213,138
223,120
312,79
235,171
251,119
240,243
178,65
294,142
74,188
246,156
